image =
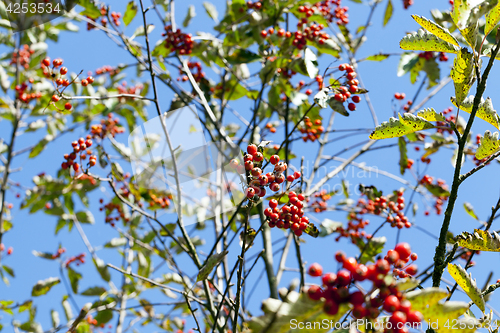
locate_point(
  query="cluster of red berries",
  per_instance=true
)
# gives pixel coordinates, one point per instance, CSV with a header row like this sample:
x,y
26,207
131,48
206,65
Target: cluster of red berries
x,y
335,291
162,201
79,259
465,256
289,216
59,252
110,208
23,55
399,258
271,127
349,87
329,9
9,250
311,131
438,205
178,41
320,202
450,118
116,18
399,96
24,96
251,5
132,90
79,147
107,126
107,69
198,75
306,32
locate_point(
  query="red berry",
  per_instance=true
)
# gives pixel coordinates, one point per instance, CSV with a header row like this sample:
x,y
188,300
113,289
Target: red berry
x,y
68,106
315,292
412,270
382,266
309,92
398,318
404,250
315,270
351,106
350,264
84,82
329,279
414,256
392,256
258,157
76,166
414,317
55,98
340,256
357,298
290,178
296,175
252,149
263,33
356,99
63,70
250,192
391,303
273,203
330,307
274,159
46,61
343,278
10,250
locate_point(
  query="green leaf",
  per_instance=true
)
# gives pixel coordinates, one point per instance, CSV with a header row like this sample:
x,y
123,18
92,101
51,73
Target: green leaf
x,y
437,190
102,269
492,18
388,12
93,291
211,11
91,9
44,255
25,306
466,282
242,56
130,13
431,68
403,157
407,61
279,315
85,217
8,270
374,248
408,123
470,210
425,41
485,110
43,286
489,145
37,149
338,106
480,240
430,114
311,63
74,277
435,29
189,16
210,264
377,57
103,316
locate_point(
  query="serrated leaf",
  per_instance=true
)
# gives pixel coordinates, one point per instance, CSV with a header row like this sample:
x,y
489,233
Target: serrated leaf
x,y
389,9
278,314
466,282
74,277
406,124
470,210
403,157
189,16
130,13
43,286
425,41
485,110
213,261
211,11
489,145
492,18
430,114
435,29
480,240
460,13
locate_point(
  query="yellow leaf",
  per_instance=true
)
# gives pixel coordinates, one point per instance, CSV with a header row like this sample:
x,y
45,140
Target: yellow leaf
x,y
466,282
489,145
435,29
462,74
492,18
406,124
425,41
480,240
460,13
484,112
431,115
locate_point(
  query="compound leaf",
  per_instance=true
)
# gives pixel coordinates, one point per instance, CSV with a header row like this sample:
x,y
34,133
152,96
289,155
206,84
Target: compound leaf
x,y
469,285
489,145
425,41
480,240
435,29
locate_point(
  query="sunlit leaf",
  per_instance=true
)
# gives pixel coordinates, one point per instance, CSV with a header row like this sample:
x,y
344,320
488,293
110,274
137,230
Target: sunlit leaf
x,y
492,18
480,240
484,112
489,145
377,57
435,29
403,157
466,282
408,123
430,114
388,13
130,13
470,210
211,10
189,16
43,286
372,250
425,41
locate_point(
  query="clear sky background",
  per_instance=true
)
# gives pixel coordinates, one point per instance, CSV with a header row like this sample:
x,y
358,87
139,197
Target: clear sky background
x,y
89,50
